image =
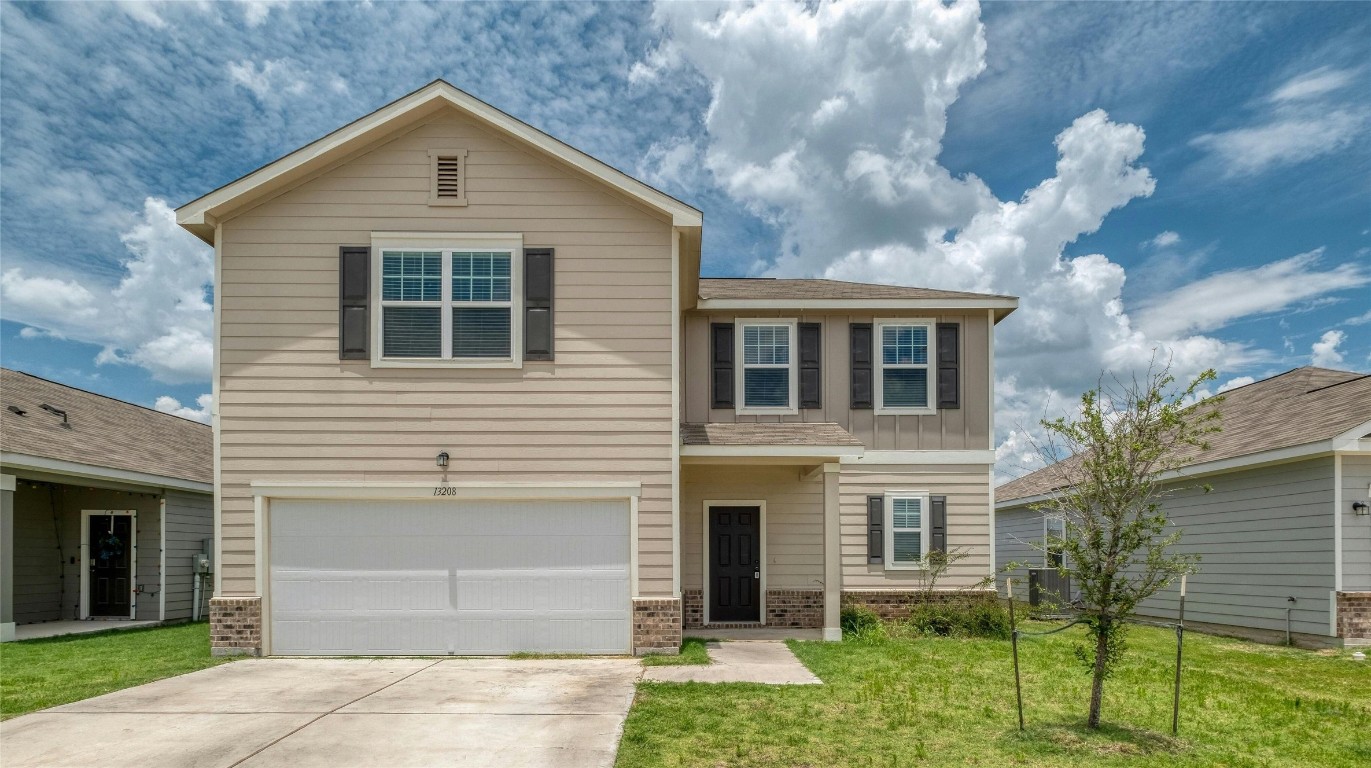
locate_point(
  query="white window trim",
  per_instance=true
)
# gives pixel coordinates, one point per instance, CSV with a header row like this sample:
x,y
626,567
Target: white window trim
x,y
1047,521
924,514
86,554
740,379
932,408
447,243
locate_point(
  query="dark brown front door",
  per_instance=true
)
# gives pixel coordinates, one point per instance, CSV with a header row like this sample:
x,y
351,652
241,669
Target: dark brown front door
x,y
735,563
111,565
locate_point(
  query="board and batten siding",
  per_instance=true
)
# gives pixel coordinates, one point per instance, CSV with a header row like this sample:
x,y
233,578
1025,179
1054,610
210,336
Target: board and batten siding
x,y
967,488
189,521
1018,539
951,429
289,409
794,520
1356,529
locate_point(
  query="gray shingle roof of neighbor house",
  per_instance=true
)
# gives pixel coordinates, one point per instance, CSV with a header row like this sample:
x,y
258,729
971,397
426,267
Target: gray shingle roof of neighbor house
x,y
798,434
809,288
100,431
1298,407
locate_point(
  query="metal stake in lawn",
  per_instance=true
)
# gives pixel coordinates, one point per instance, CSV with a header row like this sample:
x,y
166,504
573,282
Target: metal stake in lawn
x,y
1180,637
1014,644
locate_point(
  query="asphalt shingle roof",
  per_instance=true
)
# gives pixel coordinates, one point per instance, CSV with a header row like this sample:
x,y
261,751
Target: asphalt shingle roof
x,y
787,433
1306,405
101,431
804,289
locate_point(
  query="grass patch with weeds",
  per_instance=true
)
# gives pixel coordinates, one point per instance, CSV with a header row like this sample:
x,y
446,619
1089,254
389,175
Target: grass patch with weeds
x,y
37,674
692,652
934,701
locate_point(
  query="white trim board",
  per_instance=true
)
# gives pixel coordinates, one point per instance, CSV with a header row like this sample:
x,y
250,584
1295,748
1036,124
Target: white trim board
x,y
200,216
76,469
922,457
1005,305
343,489
818,452
760,504
86,515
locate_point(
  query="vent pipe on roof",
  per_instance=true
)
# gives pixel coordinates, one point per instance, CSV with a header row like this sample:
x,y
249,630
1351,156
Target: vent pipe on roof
x,y
56,412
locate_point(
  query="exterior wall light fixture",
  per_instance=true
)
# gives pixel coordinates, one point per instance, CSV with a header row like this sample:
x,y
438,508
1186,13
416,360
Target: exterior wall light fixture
x,y
1361,508
442,459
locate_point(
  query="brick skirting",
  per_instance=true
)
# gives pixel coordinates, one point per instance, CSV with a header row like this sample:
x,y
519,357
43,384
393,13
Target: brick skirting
x,y
892,604
694,607
656,626
235,626
795,608
1354,617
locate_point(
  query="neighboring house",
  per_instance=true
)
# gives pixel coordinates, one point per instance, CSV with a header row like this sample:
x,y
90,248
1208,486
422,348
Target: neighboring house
x,y
1284,534
105,506
472,396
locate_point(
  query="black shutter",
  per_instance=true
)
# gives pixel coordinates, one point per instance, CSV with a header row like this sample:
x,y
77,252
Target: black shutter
x,y
721,341
949,365
538,292
861,365
354,290
875,528
810,368
937,524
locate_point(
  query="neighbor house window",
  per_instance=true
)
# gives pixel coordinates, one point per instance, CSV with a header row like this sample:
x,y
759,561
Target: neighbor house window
x,y
1054,530
448,305
907,523
903,380
768,381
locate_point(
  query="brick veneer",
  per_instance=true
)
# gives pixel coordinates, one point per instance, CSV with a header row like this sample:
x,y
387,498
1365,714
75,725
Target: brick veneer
x,y
235,626
895,604
693,601
656,626
795,608
1354,617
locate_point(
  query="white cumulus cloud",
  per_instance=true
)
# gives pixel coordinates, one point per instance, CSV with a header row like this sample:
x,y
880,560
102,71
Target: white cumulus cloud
x,y
1325,352
168,404
157,316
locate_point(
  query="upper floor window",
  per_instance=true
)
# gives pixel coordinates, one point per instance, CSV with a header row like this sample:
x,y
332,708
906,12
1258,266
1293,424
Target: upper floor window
x,y
903,378
768,380
1054,531
449,305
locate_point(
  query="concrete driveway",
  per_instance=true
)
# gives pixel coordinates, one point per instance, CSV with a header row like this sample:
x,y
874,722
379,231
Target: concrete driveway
x,y
344,712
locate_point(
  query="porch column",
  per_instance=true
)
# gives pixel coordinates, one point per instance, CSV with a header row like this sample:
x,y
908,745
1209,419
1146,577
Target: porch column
x,y
833,561
7,485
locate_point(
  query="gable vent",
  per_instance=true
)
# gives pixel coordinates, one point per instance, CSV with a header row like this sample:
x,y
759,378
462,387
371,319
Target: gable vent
x,y
448,171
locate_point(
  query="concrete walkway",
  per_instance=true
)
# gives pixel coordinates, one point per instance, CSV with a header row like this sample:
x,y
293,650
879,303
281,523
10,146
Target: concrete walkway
x,y
388,713
745,661
58,628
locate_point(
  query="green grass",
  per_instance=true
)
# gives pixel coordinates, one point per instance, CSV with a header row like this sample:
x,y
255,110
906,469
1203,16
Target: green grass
x,y
692,652
36,674
941,701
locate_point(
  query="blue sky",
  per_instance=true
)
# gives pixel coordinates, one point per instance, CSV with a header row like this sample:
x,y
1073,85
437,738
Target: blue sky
x,y
1194,178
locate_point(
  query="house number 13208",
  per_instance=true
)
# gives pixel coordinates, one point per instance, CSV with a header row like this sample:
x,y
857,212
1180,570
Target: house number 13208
x,y
444,490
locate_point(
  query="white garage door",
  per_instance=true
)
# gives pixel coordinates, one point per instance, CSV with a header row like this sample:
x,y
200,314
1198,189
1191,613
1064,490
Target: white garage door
x,y
449,577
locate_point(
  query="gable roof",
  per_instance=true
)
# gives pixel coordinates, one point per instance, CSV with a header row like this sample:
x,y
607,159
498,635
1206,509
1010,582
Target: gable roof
x,y
101,432
1299,407
200,215
784,293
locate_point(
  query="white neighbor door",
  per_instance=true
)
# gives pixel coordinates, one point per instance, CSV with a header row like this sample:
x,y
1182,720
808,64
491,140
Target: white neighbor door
x,y
448,577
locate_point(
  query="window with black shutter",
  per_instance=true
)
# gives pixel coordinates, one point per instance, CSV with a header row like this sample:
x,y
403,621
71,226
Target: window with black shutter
x,y
875,529
721,368
861,367
811,367
354,290
948,350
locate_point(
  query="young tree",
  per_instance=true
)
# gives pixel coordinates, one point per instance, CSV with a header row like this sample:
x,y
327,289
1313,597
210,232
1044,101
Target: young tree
x,y
1125,440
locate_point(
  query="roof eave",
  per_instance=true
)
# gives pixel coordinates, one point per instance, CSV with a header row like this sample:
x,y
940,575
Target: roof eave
x,y
1002,306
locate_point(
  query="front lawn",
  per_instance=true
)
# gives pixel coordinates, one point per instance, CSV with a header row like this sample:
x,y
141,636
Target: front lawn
x,y
37,674
951,702
693,652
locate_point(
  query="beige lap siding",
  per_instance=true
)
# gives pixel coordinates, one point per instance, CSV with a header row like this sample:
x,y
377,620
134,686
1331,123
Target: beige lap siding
x,y
967,488
291,410
794,520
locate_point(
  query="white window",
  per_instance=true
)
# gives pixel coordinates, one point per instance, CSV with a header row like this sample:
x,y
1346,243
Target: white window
x,y
1054,530
769,379
447,300
906,543
904,381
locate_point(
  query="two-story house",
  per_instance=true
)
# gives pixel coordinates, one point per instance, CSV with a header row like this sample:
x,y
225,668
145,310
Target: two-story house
x,y
472,396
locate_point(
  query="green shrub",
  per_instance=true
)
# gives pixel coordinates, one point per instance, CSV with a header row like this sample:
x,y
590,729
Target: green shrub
x,y
979,618
862,623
